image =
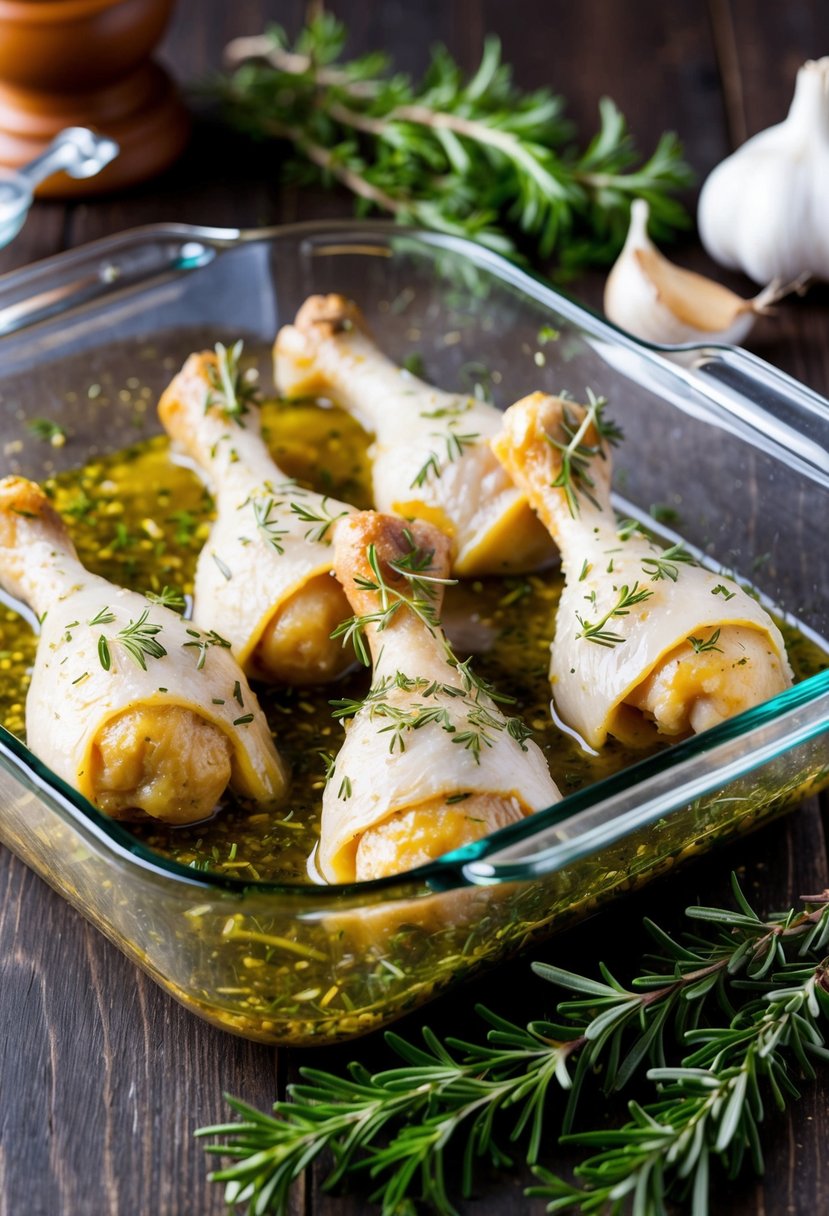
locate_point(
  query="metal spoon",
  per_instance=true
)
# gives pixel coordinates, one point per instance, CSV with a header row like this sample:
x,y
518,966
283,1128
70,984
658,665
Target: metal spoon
x,y
76,151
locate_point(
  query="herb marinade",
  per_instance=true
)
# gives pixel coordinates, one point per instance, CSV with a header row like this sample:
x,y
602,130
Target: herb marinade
x,y
139,519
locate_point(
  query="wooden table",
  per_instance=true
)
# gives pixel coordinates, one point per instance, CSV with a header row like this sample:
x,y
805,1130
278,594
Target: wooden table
x,y
103,1078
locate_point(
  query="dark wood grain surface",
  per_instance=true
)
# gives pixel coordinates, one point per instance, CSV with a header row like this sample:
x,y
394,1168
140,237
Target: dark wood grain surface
x,y
103,1078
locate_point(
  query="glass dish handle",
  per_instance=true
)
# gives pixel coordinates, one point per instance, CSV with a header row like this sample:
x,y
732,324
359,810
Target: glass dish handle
x,y
104,267
767,399
645,796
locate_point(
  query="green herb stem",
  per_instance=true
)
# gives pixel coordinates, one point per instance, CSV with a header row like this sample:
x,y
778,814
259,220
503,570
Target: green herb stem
x,y
770,978
476,157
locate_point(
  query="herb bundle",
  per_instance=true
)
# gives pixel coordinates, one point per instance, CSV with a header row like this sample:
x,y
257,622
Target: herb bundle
x,y
724,1020
478,158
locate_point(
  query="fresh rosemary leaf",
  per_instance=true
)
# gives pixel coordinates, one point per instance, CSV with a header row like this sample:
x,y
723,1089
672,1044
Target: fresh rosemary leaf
x,y
574,477
229,389
476,157
322,518
666,564
168,597
722,1020
700,645
594,631
139,640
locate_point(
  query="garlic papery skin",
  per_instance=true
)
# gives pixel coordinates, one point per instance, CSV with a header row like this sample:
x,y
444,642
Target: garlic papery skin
x,y
765,209
653,299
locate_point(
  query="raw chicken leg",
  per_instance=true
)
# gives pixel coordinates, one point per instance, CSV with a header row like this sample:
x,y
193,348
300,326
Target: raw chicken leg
x,y
264,578
429,761
640,630
128,703
431,458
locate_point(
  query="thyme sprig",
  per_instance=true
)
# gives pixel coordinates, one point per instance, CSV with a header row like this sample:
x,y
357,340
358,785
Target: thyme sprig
x,y
455,444
701,645
268,524
168,597
426,699
323,518
418,594
741,1011
428,705
229,388
139,639
574,478
595,631
666,564
202,642
476,157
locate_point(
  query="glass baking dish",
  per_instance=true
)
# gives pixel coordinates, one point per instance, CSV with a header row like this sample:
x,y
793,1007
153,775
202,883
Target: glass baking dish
x,y
734,448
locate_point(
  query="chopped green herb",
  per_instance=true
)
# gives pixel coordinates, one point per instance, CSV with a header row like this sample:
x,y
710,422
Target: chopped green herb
x,y
666,564
574,477
547,334
104,656
224,569
103,617
594,631
48,431
168,597
701,646
229,389
268,526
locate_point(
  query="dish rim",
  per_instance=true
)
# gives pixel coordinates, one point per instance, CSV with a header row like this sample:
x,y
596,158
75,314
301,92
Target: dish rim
x,y
449,870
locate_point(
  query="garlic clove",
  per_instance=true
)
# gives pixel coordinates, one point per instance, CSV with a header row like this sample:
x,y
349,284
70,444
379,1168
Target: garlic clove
x,y
653,299
763,210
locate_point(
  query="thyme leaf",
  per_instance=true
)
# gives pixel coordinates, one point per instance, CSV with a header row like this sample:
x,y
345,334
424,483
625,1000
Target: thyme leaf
x,y
48,431
700,646
167,597
139,639
322,517
666,564
228,387
267,524
574,477
202,642
455,445
418,595
595,631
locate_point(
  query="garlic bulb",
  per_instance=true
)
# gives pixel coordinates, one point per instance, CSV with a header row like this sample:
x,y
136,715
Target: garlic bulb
x,y
653,299
764,210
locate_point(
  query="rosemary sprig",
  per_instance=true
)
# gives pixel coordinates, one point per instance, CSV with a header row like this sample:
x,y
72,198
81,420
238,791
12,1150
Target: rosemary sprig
x,y
476,157
229,388
322,518
768,977
202,642
167,597
455,444
426,698
139,638
574,477
700,645
666,564
263,509
594,631
418,594
428,706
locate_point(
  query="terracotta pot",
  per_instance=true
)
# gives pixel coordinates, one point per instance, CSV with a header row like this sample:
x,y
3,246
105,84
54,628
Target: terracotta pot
x,y
87,63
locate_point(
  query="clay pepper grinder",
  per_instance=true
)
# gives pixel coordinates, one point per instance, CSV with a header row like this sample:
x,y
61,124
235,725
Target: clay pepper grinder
x,y
69,63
